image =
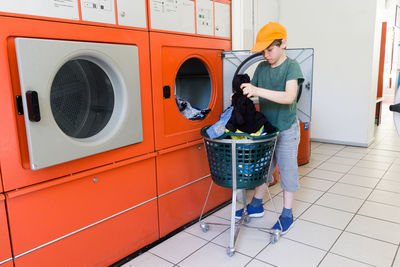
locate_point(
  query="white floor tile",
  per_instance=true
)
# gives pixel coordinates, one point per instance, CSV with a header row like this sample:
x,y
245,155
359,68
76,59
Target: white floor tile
x,y
327,216
267,221
340,202
373,173
258,263
356,149
313,163
148,260
315,144
214,229
300,254
178,247
375,228
397,260
298,206
334,167
274,190
386,153
389,185
327,174
313,234
319,156
325,151
307,195
350,190
359,180
381,211
335,147
214,255
249,241
385,197
390,175
378,158
351,155
226,212
314,183
396,161
343,161
373,165
365,249
395,168
303,170
333,260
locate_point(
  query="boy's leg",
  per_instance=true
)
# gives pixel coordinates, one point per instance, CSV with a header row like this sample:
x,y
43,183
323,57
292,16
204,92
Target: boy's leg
x,y
286,156
288,199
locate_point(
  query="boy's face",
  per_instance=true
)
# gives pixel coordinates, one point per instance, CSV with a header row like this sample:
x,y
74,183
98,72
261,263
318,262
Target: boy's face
x,y
273,53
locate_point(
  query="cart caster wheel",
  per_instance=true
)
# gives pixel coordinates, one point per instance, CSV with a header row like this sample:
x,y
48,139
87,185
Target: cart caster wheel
x,y
204,227
275,235
230,251
246,219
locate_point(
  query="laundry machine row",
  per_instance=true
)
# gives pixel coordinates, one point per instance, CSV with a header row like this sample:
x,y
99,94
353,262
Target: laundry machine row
x,y
91,163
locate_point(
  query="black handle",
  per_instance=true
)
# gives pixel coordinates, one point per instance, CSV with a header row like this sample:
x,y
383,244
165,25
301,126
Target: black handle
x,y
32,101
166,91
395,108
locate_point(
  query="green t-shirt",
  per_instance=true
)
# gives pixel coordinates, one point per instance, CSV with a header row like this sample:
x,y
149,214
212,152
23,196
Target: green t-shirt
x,y
282,116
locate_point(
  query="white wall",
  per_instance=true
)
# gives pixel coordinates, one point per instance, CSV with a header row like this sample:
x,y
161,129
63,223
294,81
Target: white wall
x,y
346,38
343,35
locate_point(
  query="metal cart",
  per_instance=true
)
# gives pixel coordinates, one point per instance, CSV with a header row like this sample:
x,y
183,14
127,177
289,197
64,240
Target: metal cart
x,y
239,163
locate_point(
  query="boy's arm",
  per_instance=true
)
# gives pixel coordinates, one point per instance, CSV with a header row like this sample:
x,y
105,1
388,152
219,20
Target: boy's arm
x,y
281,97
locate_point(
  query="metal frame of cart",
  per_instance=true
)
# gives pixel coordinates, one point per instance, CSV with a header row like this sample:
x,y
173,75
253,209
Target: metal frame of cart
x,y
239,164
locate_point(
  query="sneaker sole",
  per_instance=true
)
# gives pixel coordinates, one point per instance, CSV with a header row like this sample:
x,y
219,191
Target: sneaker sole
x,y
253,215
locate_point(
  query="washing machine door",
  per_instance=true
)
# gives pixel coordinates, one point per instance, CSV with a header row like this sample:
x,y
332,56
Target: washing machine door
x,y
79,98
239,62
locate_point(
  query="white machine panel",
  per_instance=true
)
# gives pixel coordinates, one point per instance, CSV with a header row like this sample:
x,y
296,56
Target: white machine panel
x,y
63,9
172,15
132,13
222,20
98,11
205,17
73,83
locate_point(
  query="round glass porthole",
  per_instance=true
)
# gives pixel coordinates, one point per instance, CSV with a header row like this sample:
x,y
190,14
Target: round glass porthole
x,y
81,98
193,89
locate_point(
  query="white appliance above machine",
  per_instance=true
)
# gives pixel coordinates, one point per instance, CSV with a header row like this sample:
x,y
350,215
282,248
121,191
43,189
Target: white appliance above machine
x,y
79,98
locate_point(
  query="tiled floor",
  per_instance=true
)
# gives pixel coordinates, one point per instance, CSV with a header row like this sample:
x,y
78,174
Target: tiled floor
x,y
347,213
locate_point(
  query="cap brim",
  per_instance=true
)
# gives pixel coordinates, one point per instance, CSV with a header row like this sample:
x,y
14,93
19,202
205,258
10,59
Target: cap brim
x,y
260,46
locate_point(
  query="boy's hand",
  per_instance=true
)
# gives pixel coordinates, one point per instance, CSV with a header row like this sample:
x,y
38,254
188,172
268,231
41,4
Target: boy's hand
x,y
249,90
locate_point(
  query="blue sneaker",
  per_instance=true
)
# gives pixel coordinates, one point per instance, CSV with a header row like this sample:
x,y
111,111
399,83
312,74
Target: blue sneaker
x,y
286,222
253,212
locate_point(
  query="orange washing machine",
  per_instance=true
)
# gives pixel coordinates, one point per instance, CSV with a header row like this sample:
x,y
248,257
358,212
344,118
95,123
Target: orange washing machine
x,y
77,141
5,246
187,39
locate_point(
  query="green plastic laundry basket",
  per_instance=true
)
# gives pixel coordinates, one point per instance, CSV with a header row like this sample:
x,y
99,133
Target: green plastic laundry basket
x,y
249,159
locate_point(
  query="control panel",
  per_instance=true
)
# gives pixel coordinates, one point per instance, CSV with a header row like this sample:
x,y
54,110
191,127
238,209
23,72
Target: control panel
x,y
131,13
205,17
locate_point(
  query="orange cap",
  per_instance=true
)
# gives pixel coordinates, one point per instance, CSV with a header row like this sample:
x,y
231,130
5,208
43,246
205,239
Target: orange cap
x,y
267,34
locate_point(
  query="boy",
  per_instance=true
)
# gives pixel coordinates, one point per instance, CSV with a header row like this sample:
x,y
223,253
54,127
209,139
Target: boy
x,y
276,82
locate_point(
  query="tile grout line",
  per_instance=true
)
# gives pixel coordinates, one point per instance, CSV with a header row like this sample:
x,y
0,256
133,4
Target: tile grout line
x,y
342,231
356,213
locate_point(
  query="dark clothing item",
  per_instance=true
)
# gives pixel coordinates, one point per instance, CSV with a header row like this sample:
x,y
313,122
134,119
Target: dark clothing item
x,y
245,117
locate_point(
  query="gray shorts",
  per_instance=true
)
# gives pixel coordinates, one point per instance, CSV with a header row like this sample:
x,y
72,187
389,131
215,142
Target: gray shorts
x,y
286,157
